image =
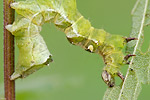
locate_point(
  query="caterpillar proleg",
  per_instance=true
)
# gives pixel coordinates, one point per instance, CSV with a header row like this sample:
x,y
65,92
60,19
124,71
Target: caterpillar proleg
x,y
64,14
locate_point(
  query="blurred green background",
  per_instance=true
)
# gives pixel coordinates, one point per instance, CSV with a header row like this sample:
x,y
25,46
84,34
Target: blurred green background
x,y
75,74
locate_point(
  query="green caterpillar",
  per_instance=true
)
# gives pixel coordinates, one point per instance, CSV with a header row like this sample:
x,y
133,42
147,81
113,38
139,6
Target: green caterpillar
x,y
63,13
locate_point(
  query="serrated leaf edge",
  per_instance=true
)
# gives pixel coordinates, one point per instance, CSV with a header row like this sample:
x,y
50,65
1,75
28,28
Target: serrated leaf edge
x,y
137,43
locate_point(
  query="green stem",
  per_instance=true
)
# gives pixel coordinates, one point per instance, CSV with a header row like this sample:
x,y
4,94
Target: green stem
x,y
8,51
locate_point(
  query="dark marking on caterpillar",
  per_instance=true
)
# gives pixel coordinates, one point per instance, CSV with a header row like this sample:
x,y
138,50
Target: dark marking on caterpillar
x,y
32,14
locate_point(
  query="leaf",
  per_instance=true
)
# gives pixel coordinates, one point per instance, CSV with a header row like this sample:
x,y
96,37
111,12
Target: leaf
x,y
139,69
147,21
112,93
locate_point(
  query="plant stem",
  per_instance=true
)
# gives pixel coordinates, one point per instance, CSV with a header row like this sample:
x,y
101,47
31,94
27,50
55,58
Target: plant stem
x,y
8,51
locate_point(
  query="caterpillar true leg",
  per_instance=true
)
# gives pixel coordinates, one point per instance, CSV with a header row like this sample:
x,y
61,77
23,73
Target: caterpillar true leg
x,y
121,76
128,56
128,39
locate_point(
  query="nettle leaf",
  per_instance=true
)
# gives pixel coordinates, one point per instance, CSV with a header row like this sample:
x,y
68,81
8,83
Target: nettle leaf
x,y
147,19
139,69
112,93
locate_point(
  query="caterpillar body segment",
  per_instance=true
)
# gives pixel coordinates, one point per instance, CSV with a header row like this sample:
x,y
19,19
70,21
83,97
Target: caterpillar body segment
x,y
78,30
76,27
33,52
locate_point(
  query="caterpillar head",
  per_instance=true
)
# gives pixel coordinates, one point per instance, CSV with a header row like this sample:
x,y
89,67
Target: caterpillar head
x,y
108,78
